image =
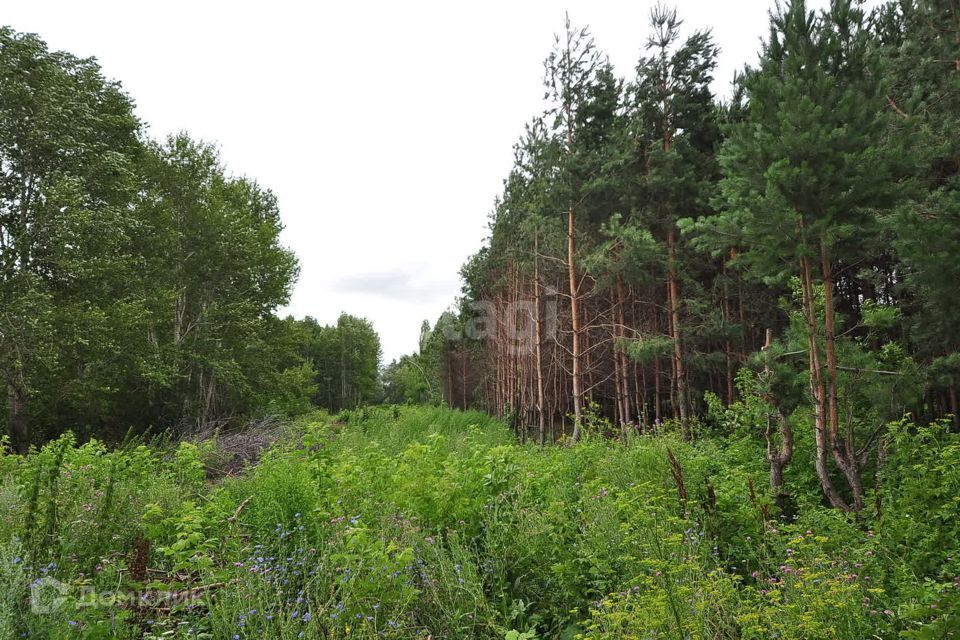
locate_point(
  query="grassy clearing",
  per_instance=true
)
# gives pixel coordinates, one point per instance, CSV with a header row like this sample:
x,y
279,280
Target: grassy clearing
x,y
417,522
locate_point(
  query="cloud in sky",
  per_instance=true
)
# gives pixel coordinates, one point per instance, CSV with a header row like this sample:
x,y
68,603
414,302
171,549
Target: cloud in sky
x,y
405,284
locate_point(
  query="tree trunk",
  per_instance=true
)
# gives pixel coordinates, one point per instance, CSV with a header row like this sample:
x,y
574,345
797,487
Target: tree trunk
x,y
777,456
574,323
727,346
954,409
450,403
178,318
463,377
538,342
817,391
844,450
640,400
955,11
617,378
656,392
621,354
19,421
673,296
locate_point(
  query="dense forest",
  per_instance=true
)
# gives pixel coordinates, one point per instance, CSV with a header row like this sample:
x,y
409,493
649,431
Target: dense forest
x,y
657,253
139,280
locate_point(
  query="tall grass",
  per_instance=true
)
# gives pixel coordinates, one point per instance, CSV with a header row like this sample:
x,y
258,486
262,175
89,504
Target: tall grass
x,y
423,522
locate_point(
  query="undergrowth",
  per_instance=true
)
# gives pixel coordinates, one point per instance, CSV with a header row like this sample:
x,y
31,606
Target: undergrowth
x,y
422,522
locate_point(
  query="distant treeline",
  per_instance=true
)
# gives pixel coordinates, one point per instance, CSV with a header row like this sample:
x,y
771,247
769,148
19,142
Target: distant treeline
x,y
138,280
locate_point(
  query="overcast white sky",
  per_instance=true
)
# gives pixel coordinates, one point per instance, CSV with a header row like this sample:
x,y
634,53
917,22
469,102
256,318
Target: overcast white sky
x,y
385,129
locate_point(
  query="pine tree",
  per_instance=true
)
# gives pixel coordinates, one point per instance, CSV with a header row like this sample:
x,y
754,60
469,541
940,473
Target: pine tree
x,y
571,69
803,174
920,51
676,132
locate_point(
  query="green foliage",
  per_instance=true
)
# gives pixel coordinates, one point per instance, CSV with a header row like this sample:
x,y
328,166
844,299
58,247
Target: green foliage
x,y
345,359
293,391
410,522
184,539
68,146
921,478
646,349
138,280
406,382
139,283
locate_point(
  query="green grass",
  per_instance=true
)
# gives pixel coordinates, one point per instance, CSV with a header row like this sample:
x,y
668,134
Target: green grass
x,y
420,522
